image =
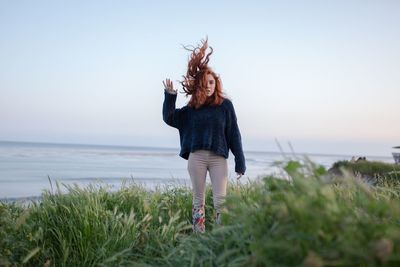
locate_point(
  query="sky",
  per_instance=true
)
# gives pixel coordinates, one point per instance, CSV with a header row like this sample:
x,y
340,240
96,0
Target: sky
x,y
322,76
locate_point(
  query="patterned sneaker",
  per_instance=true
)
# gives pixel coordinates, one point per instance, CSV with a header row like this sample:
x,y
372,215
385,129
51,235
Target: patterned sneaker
x,y
198,219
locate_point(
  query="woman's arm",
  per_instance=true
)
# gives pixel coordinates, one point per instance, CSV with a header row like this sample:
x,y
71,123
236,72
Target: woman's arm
x,y
171,115
235,141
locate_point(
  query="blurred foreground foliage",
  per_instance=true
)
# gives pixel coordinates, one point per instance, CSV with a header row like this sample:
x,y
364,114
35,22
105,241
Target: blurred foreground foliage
x,y
307,219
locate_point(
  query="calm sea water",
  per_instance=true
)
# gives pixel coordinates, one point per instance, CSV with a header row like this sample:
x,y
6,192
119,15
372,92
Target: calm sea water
x,y
25,168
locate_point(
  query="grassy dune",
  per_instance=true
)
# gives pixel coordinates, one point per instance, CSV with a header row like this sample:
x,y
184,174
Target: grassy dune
x,y
308,220
377,172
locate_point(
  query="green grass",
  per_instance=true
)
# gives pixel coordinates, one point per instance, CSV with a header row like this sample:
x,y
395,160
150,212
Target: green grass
x,y
308,220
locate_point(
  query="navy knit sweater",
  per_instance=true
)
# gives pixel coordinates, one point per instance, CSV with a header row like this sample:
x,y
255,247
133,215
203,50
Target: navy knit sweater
x,y
212,128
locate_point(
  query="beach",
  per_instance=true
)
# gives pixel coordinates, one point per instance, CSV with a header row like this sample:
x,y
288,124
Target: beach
x,y
26,169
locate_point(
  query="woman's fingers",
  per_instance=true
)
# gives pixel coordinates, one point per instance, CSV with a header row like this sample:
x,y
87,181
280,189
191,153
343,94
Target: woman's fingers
x,y
168,84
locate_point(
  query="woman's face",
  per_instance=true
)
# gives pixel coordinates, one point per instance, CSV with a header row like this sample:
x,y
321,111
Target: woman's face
x,y
210,86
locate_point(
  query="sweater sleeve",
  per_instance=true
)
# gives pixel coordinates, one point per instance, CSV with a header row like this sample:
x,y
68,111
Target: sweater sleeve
x,y
171,115
235,140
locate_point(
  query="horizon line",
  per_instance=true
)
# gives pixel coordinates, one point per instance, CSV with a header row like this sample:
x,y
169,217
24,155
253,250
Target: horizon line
x,y
285,154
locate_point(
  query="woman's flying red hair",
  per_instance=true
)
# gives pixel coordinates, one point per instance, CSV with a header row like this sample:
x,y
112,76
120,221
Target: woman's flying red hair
x,y
195,81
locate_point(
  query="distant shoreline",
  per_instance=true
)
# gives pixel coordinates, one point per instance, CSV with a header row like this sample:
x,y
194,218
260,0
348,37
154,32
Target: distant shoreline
x,y
24,201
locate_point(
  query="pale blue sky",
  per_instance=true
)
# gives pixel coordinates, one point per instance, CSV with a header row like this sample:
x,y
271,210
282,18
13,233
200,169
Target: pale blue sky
x,y
323,75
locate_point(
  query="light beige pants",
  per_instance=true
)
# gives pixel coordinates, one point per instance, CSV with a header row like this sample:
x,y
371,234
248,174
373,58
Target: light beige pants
x,y
199,163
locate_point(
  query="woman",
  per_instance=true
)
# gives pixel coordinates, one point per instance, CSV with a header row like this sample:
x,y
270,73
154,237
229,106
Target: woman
x,y
208,129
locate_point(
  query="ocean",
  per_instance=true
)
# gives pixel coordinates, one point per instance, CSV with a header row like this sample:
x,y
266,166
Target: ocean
x,y
26,169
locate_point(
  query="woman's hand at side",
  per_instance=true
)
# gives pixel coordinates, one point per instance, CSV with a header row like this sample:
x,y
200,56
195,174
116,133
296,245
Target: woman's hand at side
x,y
169,86
239,175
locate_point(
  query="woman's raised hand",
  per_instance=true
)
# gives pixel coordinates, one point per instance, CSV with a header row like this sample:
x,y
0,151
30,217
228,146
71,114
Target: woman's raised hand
x,y
169,86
